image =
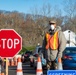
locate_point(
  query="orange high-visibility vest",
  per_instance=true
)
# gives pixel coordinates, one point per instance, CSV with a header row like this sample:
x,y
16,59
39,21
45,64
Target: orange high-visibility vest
x,y
52,41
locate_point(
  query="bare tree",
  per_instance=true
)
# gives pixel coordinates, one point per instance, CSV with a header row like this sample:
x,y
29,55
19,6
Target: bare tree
x,y
40,15
46,10
70,9
58,15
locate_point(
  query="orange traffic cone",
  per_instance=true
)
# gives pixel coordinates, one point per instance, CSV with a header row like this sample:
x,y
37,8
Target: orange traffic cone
x,y
8,62
0,69
15,61
60,64
19,67
12,62
39,67
2,73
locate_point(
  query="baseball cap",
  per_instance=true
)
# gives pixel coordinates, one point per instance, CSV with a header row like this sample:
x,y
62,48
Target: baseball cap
x,y
52,21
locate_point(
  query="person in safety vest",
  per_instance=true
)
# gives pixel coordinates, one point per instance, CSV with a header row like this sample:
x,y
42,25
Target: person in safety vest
x,y
54,44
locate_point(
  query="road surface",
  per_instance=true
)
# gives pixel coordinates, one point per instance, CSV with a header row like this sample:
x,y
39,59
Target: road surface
x,y
27,70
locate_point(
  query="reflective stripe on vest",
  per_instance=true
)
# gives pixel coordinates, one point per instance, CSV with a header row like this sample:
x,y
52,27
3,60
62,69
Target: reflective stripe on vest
x,y
52,41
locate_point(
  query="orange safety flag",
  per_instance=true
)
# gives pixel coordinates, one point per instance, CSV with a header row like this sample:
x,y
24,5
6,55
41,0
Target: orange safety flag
x,y
52,41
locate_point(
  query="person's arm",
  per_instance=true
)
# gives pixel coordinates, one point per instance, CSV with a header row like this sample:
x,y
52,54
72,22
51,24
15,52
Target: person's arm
x,y
62,44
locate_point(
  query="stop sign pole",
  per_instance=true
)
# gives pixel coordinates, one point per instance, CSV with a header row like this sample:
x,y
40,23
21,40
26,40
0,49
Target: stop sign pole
x,y
10,44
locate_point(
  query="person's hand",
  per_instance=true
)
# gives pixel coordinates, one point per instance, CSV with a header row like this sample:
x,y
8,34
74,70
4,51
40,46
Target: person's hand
x,y
60,55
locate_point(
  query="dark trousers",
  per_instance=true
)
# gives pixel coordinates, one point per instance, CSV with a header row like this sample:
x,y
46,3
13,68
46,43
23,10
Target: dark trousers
x,y
52,65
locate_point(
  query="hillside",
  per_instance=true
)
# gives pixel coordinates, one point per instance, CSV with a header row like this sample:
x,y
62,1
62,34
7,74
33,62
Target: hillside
x,y
31,27
28,28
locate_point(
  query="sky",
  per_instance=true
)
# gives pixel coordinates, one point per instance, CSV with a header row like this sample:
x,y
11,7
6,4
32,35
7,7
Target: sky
x,y
25,6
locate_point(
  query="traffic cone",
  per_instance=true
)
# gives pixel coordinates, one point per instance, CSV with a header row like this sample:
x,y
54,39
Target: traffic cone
x,y
2,73
15,61
0,69
12,62
8,62
60,64
39,67
19,67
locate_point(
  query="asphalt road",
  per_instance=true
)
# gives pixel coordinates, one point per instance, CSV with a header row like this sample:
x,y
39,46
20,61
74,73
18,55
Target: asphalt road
x,y
27,70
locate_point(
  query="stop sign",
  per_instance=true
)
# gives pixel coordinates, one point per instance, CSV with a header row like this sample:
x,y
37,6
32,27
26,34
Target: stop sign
x,y
10,43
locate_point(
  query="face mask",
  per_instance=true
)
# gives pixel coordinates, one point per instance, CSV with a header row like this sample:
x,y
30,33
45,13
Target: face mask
x,y
52,27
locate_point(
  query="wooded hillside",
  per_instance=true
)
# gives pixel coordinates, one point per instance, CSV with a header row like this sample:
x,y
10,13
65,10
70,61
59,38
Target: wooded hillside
x,y
32,27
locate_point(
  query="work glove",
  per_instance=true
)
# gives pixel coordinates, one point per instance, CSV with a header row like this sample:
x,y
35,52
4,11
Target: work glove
x,y
59,55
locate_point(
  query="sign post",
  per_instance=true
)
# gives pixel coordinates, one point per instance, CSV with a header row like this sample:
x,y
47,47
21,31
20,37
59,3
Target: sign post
x,y
6,66
10,44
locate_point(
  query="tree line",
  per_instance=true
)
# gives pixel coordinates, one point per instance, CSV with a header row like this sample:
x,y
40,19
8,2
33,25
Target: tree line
x,y
32,27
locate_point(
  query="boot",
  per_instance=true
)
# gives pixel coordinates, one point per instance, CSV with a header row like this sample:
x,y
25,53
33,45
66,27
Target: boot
x,y
48,65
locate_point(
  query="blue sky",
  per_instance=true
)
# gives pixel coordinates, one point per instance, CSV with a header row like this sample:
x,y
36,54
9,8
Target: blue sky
x,y
26,6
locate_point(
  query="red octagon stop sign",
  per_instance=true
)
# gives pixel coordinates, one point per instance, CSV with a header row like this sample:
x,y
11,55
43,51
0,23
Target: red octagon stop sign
x,y
10,43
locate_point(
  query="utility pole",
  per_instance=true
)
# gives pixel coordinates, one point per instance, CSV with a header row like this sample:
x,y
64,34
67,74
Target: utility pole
x,y
75,39
69,37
